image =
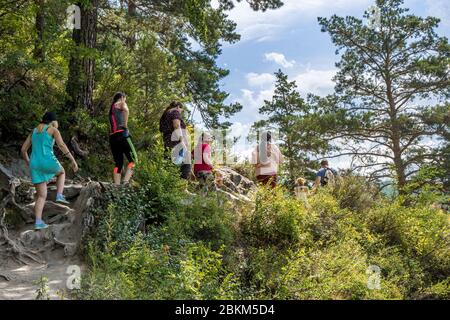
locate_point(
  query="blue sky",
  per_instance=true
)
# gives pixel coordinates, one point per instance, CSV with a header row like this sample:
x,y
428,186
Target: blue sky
x,y
289,39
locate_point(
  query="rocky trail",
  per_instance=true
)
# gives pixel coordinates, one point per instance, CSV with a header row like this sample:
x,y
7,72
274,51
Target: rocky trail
x,y
26,254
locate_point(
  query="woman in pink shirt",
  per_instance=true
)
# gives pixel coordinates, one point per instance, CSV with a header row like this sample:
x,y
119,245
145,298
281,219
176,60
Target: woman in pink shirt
x,y
203,165
267,158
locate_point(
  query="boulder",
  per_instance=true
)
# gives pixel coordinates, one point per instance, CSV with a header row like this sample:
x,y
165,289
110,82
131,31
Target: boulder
x,y
71,191
235,183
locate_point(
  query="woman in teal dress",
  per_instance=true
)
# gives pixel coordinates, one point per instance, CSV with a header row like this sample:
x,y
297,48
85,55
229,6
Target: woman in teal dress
x,y
43,163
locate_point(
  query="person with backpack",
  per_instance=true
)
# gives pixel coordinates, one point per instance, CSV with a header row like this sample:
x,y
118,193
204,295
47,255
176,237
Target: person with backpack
x,y
325,175
44,165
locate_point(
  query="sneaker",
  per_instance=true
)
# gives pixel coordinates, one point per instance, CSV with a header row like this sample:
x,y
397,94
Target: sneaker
x,y
40,226
62,199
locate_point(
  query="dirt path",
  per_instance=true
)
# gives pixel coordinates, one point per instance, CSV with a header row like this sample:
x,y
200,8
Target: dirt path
x,y
27,255
22,284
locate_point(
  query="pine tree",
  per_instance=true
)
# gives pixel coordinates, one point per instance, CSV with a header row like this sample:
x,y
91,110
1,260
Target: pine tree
x,y
298,124
384,71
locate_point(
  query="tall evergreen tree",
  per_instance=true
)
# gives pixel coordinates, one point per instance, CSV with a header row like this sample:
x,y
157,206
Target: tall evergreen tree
x,y
384,72
298,123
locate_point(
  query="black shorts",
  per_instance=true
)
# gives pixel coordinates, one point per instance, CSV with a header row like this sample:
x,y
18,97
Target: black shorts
x,y
121,145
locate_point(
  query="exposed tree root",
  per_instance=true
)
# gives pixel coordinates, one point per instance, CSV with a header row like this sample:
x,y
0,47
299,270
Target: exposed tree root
x,y
10,248
4,276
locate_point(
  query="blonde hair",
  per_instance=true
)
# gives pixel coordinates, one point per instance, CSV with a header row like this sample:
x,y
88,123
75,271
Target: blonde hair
x,y
300,181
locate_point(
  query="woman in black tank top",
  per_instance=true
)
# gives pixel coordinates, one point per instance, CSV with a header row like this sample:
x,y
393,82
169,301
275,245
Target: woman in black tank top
x,y
120,140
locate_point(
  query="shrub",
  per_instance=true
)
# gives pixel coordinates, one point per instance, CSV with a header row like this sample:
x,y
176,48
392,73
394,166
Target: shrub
x,y
206,219
276,220
209,248
142,273
355,193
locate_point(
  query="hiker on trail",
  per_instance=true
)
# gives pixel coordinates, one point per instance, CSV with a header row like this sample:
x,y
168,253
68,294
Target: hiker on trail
x,y
43,163
267,157
325,175
172,127
203,165
301,190
120,140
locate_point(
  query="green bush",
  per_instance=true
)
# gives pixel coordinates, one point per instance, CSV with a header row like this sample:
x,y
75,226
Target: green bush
x,y
276,220
422,232
142,273
355,193
208,247
206,219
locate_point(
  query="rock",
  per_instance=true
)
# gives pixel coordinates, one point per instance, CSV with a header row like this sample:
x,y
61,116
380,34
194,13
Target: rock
x,y
35,238
235,183
53,211
19,168
58,230
71,191
28,237
5,178
70,248
235,197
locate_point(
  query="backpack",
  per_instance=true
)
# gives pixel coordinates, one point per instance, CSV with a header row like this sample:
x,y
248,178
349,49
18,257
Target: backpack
x,y
328,177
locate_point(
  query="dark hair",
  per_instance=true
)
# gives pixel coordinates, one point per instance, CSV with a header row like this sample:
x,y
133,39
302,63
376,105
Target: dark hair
x,y
176,104
173,104
118,96
324,162
48,117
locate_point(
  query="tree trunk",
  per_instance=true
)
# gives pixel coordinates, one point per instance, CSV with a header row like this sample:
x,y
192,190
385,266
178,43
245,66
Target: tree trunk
x,y
131,39
39,53
80,83
395,137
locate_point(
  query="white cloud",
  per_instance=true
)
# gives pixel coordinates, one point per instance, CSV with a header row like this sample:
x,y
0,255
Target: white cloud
x,y
215,4
262,87
316,81
243,148
279,59
260,79
264,26
252,101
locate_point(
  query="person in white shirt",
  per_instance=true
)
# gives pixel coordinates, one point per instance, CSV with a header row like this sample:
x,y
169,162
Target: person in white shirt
x,y
267,158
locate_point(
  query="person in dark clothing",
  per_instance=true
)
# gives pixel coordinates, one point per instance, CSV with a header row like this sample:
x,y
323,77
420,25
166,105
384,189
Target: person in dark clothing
x,y
172,127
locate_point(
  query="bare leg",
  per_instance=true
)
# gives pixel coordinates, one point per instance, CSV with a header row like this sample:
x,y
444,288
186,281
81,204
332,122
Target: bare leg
x,y
117,177
128,174
61,178
41,190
